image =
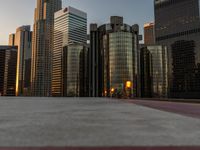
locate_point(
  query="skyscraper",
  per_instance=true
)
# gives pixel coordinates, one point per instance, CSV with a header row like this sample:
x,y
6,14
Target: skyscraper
x,y
113,58
70,31
23,39
8,63
11,41
177,25
149,33
42,46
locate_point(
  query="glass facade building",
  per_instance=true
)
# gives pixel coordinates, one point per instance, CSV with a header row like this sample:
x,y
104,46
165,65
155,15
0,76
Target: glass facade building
x,y
177,25
8,63
23,39
42,46
113,59
75,74
70,27
154,71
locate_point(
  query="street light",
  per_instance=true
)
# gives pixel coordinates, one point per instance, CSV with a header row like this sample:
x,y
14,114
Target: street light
x,y
112,91
105,93
128,84
128,88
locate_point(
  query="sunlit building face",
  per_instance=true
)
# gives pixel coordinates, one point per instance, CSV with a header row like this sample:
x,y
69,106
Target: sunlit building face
x,y
23,39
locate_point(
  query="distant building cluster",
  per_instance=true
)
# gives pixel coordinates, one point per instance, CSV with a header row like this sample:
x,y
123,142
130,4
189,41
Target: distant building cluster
x,y
58,58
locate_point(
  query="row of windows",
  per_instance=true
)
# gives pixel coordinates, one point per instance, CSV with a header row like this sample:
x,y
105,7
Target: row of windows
x,y
184,33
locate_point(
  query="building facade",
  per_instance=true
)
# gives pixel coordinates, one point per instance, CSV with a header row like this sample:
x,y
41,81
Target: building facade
x,y
177,25
70,28
42,47
75,71
11,40
146,72
149,33
23,39
8,63
113,59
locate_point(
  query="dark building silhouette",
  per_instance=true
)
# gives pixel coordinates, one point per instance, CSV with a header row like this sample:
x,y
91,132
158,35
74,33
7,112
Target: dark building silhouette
x,y
113,58
8,63
183,55
177,25
146,72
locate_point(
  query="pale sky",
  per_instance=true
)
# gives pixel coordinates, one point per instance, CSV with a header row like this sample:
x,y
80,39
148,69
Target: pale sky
x,y
15,13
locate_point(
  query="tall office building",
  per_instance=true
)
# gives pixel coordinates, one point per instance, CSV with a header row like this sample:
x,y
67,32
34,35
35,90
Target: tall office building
x,y
42,46
70,29
154,71
113,58
8,63
177,25
23,39
11,41
149,33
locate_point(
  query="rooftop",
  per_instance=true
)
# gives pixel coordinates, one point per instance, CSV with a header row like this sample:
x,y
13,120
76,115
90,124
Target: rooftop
x,y
81,122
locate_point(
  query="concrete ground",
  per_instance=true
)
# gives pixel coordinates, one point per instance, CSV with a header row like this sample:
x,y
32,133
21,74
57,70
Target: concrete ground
x,y
88,122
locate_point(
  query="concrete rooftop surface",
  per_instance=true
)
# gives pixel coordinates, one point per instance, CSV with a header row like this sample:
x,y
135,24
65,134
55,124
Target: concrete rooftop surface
x,y
89,122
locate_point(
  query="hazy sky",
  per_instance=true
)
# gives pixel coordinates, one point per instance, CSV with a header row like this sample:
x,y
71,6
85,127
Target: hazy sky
x,y
14,13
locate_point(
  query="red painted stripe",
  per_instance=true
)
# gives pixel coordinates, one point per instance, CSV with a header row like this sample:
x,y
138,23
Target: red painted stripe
x,y
186,109
104,148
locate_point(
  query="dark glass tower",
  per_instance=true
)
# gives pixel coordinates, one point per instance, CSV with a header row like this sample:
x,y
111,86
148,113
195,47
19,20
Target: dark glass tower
x,y
113,58
177,25
8,63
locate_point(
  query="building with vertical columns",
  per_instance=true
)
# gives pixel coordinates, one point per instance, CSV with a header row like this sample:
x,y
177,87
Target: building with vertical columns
x,y
23,39
70,38
177,25
8,63
95,78
113,59
42,47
